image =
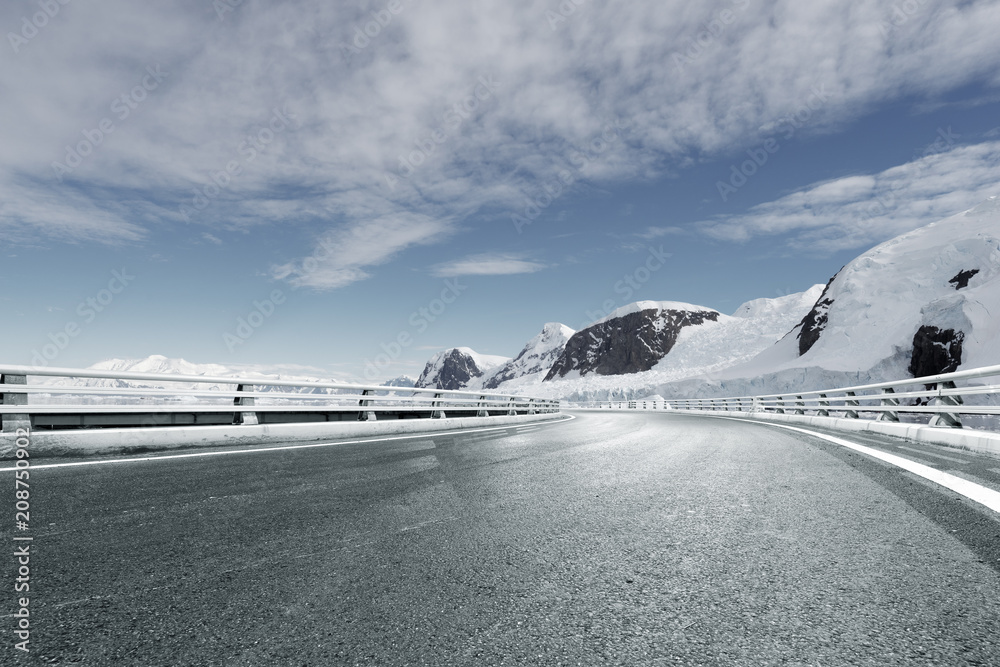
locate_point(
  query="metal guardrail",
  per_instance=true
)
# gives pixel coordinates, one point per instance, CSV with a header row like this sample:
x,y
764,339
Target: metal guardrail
x,y
222,400
938,397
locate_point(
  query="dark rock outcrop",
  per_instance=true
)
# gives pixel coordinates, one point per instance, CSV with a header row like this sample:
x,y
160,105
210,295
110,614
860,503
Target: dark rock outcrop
x,y
503,375
452,371
936,351
961,281
814,322
632,343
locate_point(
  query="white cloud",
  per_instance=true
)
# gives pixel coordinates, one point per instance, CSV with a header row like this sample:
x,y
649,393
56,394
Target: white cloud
x,y
487,264
859,211
357,116
659,232
59,212
342,255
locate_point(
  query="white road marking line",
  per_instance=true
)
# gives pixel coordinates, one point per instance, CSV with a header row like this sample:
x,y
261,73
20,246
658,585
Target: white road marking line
x,y
974,492
225,452
937,456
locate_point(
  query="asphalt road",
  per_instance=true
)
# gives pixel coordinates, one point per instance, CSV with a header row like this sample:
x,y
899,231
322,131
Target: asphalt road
x,y
619,539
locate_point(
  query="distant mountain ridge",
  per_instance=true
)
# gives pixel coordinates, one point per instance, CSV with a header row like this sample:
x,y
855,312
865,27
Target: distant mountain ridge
x,y
160,364
925,302
647,341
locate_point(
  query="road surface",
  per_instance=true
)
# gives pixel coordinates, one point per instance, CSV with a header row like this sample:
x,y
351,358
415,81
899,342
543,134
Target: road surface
x,y
614,538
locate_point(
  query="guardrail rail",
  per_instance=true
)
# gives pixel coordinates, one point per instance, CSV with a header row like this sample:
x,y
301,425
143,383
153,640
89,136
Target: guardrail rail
x,y
949,400
56,400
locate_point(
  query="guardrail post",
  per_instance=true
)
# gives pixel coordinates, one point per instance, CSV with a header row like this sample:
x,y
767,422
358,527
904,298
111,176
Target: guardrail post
x,y
889,401
437,413
12,422
366,415
947,419
781,405
824,403
531,406
851,401
483,412
800,406
249,417
511,407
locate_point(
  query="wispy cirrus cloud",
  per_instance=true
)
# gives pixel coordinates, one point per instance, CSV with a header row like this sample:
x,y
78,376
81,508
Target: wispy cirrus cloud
x,y
343,255
487,264
861,210
29,210
651,233
410,94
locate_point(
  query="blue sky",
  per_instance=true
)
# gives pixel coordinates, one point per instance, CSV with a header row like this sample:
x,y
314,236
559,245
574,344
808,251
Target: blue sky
x,y
273,163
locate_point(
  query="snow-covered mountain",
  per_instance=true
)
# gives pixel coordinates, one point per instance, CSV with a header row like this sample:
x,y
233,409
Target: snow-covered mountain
x,y
732,339
160,364
923,303
537,356
632,339
401,381
718,342
458,368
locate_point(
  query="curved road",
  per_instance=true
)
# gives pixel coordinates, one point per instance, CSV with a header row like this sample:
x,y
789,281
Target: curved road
x,y
618,539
